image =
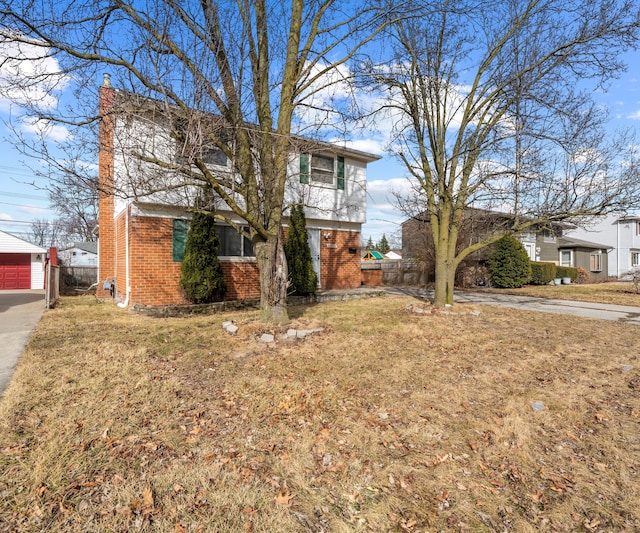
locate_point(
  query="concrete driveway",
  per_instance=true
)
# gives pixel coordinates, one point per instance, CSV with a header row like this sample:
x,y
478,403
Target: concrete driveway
x,y
20,311
622,313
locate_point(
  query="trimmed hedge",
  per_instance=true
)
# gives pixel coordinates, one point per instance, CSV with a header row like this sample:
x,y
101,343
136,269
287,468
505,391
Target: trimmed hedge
x,y
567,272
542,273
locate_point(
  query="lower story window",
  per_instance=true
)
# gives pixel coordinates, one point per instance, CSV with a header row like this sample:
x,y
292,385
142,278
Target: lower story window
x,y
635,259
565,258
232,243
595,262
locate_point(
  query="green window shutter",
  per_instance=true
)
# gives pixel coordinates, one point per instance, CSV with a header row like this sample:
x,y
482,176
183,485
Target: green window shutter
x,y
180,230
304,168
340,182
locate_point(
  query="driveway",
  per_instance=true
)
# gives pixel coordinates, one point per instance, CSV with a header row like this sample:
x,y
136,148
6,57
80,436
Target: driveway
x,y
20,311
623,313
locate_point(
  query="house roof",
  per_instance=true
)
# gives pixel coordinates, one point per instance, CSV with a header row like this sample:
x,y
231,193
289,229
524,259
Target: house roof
x,y
12,244
568,242
132,102
490,216
91,247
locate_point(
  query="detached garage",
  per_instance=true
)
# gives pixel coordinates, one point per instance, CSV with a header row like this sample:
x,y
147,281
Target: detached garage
x,y
21,263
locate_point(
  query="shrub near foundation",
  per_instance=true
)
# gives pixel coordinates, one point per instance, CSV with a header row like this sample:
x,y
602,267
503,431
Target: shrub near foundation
x,y
509,265
567,272
542,273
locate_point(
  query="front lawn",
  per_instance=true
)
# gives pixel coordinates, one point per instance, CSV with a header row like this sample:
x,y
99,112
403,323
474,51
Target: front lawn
x,y
388,420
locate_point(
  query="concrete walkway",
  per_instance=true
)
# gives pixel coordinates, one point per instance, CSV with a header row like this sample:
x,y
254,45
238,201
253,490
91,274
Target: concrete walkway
x,y
600,311
20,311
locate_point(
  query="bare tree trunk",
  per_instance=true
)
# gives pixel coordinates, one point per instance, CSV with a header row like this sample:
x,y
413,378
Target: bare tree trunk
x,y
272,265
445,271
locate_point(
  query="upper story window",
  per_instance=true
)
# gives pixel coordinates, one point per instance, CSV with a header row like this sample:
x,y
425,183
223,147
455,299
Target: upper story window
x,y
322,169
548,236
215,156
637,227
211,156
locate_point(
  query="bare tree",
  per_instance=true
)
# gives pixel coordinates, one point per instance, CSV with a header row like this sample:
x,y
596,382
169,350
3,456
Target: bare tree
x,y
234,76
488,115
45,233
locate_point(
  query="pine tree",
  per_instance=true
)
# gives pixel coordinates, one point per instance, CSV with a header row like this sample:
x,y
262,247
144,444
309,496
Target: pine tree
x,y
509,265
370,245
383,245
302,276
201,273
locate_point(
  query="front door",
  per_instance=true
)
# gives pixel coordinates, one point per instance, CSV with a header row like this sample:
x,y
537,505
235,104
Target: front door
x,y
314,247
530,247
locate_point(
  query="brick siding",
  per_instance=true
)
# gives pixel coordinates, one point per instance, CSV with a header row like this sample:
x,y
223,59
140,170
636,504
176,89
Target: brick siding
x,y
106,240
340,269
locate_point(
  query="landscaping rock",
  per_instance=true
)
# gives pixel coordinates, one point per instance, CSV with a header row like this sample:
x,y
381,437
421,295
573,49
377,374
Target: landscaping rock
x,y
230,328
267,337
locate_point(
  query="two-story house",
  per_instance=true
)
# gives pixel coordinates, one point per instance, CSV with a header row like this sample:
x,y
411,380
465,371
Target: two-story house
x,y
143,222
542,244
621,234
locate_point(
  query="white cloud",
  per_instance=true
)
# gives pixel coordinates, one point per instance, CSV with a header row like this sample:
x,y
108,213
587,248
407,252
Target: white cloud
x,y
28,74
634,116
5,216
33,210
45,128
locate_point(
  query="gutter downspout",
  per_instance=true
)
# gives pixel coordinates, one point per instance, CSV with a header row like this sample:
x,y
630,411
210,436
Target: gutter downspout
x,y
618,249
126,259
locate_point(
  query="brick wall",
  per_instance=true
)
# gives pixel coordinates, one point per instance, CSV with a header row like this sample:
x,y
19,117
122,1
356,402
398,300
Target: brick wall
x,y
242,279
106,239
155,276
339,269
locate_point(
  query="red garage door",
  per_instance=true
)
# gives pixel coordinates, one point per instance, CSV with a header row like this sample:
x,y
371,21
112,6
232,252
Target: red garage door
x,y
15,271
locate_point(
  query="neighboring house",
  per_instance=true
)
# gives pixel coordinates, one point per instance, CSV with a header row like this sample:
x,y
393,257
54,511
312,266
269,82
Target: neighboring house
x,y
547,245
393,255
141,238
80,254
621,235
21,263
587,255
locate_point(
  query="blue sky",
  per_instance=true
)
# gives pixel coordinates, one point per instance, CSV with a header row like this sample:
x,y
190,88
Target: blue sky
x,y
21,202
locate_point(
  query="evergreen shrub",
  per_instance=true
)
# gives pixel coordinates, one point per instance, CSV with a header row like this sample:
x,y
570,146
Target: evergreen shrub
x,y
542,273
302,276
201,275
509,265
567,272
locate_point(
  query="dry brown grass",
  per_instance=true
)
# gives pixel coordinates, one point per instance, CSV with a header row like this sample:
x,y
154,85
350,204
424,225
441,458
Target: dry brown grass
x,y
388,421
618,292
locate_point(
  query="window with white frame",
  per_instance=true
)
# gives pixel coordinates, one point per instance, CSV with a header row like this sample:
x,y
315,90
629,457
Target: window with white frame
x,y
566,258
548,236
233,244
635,259
637,227
322,169
595,262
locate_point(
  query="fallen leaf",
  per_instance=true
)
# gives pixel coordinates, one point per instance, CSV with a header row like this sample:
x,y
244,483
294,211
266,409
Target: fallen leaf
x,y
284,498
147,497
